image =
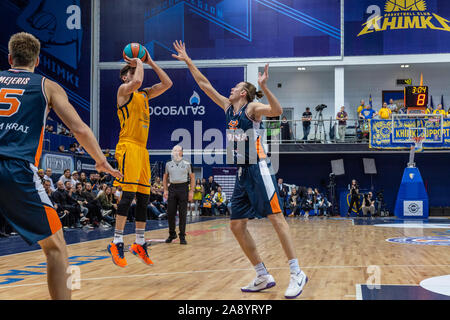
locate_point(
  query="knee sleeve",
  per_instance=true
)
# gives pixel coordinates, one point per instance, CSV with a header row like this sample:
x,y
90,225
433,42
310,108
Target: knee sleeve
x,y
125,203
141,206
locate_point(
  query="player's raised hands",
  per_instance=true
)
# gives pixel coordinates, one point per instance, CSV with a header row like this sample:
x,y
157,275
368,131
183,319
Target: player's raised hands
x,y
132,62
148,58
180,48
262,78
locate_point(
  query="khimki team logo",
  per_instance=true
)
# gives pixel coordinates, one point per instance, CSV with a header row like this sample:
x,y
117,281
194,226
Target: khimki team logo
x,y
193,108
430,241
404,15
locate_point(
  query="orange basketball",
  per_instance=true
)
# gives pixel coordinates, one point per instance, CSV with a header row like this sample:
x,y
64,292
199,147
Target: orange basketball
x,y
135,50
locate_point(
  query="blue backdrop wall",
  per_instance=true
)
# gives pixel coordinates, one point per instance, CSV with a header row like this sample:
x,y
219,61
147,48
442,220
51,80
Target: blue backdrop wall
x,y
184,106
222,29
64,30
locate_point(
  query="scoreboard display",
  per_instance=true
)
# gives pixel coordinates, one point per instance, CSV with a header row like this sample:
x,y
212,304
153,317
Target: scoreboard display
x,y
416,97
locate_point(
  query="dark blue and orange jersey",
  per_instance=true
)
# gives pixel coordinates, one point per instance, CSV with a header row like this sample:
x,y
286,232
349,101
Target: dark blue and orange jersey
x,y
244,136
134,118
23,112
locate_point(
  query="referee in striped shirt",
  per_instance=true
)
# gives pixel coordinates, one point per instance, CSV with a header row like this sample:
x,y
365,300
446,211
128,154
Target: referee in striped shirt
x,y
179,173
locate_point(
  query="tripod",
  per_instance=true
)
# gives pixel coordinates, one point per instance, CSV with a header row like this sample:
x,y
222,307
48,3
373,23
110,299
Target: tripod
x,y
319,125
332,195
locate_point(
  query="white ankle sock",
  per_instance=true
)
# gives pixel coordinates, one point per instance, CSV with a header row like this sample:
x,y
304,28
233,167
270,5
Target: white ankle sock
x,y
261,269
294,267
140,238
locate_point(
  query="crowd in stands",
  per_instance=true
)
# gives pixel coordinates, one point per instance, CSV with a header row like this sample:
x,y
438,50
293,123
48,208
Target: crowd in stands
x,y
303,201
90,201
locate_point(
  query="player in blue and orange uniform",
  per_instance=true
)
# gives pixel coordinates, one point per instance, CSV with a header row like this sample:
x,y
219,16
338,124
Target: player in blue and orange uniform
x,y
25,101
132,154
255,192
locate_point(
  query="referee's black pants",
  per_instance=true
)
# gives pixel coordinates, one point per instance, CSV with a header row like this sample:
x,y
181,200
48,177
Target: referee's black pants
x,y
178,199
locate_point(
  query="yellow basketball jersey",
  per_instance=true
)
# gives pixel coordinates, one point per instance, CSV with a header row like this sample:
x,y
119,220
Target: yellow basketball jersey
x,y
134,119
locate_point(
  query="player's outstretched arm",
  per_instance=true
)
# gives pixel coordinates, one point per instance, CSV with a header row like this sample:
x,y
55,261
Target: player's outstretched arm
x,y
273,109
165,83
128,88
57,99
201,80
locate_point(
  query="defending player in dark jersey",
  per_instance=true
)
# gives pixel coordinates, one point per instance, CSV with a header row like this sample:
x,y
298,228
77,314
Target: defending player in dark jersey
x,y
255,192
25,101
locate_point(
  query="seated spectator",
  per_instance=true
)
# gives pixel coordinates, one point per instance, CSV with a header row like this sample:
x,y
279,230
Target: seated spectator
x,y
106,201
51,129
75,178
219,200
101,189
106,178
294,203
48,177
154,211
368,205
94,180
321,204
61,148
308,202
157,191
207,206
79,149
72,148
62,131
67,205
95,210
41,175
66,177
83,179
118,193
79,197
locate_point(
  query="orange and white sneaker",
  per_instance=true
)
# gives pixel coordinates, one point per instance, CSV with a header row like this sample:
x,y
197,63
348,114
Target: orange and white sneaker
x,y
116,252
140,251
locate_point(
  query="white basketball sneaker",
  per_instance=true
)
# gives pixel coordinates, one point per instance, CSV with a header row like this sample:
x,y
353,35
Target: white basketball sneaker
x,y
296,285
260,283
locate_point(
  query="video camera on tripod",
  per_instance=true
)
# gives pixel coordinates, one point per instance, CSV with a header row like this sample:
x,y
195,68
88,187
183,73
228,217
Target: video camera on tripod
x,y
319,130
320,107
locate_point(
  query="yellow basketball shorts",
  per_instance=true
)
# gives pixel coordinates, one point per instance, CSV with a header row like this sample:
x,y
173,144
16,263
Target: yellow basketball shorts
x,y
134,164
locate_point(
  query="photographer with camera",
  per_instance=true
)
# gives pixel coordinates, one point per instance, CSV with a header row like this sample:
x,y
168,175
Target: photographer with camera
x,y
354,192
368,205
306,119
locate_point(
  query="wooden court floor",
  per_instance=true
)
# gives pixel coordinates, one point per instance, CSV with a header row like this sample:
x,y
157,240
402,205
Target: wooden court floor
x,y
335,254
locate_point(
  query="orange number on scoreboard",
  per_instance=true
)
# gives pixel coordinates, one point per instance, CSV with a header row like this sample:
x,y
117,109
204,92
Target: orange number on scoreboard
x,y
13,102
421,100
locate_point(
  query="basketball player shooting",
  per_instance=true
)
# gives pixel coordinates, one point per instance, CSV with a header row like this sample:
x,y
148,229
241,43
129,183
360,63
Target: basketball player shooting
x,y
256,190
28,98
132,154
